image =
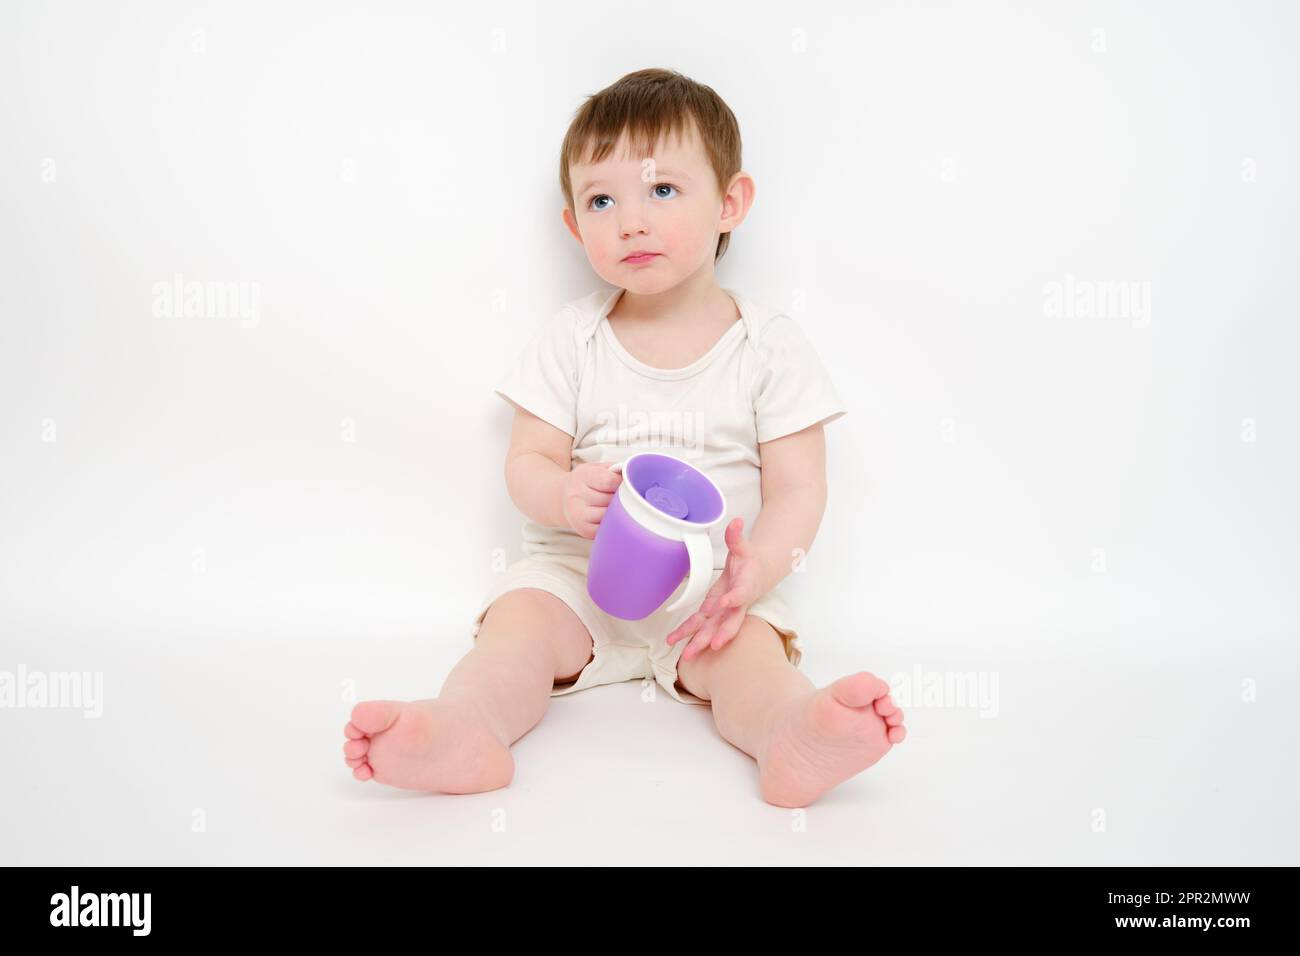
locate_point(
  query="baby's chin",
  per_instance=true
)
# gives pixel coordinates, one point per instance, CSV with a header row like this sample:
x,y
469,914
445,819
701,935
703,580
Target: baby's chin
x,y
647,279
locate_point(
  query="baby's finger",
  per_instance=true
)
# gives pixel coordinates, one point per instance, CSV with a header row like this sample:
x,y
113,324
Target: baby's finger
x,y
710,603
728,629
731,598
700,642
591,514
585,528
604,480
686,627
735,538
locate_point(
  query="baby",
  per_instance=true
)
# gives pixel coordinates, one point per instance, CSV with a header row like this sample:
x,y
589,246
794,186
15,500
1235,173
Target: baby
x,y
668,361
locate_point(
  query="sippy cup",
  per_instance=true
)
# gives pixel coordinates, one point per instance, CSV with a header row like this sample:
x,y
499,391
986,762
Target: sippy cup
x,y
655,532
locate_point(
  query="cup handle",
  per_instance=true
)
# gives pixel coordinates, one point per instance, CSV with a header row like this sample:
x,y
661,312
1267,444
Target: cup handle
x,y
701,554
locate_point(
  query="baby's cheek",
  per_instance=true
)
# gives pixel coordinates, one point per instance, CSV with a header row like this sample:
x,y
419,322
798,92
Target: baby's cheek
x,y
603,250
687,241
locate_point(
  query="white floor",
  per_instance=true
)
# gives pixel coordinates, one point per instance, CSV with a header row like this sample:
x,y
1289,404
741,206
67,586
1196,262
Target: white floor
x,y
219,743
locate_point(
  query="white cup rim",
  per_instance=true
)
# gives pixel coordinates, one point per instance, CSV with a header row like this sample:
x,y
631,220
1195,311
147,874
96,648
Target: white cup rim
x,y
678,524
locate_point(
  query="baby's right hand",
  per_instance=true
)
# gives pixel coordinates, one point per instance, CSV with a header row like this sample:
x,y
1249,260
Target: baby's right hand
x,y
587,490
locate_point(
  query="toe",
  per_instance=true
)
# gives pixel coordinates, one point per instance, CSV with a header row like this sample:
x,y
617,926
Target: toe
x,y
375,716
352,731
895,719
858,690
355,762
896,734
885,706
356,748
363,772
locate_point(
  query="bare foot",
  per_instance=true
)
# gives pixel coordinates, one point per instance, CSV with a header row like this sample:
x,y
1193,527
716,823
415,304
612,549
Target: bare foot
x,y
823,739
426,745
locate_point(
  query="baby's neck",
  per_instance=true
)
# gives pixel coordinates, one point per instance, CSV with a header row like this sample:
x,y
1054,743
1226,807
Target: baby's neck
x,y
667,311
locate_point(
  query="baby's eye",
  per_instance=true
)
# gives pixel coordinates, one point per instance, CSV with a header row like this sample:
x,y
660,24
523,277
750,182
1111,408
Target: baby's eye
x,y
591,203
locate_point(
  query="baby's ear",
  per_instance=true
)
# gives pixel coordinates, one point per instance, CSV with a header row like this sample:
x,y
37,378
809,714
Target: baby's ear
x,y
571,223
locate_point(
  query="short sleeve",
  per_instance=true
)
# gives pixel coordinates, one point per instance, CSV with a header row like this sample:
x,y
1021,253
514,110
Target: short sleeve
x,y
544,377
792,389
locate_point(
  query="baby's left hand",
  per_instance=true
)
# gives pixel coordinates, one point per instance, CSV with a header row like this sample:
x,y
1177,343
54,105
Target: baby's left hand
x,y
723,610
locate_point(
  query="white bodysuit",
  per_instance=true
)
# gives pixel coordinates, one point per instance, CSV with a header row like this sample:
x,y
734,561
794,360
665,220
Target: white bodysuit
x,y
760,381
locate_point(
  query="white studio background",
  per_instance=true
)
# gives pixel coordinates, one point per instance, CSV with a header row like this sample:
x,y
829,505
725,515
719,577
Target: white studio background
x,y
1089,502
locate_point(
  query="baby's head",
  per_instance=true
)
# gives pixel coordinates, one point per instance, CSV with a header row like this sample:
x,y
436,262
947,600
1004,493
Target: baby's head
x,y
653,163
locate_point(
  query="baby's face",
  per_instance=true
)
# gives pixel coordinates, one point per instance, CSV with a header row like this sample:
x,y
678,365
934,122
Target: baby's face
x,y
667,203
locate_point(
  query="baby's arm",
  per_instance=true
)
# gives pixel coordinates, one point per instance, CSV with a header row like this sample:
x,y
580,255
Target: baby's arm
x,y
546,487
793,470
537,465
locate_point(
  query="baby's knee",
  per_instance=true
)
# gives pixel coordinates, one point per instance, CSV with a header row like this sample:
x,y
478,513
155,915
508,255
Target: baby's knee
x,y
532,619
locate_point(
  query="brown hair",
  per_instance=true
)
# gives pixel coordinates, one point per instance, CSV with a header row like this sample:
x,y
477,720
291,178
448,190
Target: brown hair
x,y
647,104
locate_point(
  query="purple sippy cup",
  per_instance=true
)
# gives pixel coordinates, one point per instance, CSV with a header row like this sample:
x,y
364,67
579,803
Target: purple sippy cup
x,y
654,533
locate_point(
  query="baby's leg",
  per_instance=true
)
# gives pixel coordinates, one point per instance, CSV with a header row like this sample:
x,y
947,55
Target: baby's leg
x,y
805,740
529,641
459,741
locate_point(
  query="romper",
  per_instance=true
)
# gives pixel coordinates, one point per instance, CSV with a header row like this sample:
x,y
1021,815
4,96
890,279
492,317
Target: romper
x,y
760,381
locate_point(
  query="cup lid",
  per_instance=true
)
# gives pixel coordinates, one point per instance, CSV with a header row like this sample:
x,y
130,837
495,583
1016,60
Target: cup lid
x,y
673,492
666,501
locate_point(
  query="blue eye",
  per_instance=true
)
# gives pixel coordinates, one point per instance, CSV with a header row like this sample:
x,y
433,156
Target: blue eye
x,y
591,202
